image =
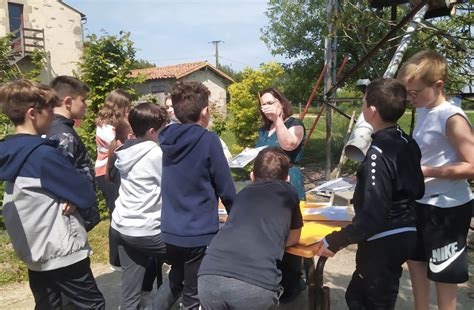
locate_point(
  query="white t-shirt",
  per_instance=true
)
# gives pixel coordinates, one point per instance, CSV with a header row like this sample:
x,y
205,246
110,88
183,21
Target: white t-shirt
x,y
436,151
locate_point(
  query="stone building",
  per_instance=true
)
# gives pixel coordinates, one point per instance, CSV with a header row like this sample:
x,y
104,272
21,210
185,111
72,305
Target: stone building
x,y
51,26
160,80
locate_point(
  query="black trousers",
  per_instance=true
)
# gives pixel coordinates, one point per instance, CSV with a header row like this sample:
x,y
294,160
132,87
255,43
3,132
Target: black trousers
x,y
75,281
290,267
375,282
185,263
135,254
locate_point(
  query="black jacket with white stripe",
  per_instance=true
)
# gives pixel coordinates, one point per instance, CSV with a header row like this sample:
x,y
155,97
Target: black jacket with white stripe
x,y
389,180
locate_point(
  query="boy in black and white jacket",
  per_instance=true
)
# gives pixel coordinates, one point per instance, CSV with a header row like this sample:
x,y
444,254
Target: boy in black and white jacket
x,y
389,180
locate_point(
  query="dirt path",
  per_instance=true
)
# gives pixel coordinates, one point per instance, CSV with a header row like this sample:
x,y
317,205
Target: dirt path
x,y
338,272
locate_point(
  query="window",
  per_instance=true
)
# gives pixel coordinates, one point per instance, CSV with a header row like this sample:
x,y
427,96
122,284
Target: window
x,y
15,14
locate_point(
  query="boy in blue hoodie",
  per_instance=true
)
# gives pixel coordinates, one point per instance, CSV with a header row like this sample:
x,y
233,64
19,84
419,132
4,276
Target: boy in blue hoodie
x,y
195,176
42,192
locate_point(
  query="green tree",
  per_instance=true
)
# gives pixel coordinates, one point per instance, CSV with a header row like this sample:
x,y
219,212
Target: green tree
x,y
234,74
105,65
245,118
297,29
142,64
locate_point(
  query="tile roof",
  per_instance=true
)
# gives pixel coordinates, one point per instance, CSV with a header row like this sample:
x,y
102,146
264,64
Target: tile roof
x,y
177,71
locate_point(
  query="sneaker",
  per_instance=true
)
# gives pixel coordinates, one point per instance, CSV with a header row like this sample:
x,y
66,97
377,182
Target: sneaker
x,y
115,268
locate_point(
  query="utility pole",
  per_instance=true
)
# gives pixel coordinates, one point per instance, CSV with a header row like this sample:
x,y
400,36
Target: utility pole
x,y
216,44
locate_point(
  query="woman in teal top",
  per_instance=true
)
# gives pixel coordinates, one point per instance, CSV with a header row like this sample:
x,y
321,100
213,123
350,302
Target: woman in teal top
x,y
284,131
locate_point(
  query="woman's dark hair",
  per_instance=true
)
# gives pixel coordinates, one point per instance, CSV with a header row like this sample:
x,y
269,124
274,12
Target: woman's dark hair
x,y
286,105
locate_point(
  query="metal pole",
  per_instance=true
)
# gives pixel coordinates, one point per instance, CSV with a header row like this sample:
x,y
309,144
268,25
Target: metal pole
x,y
328,81
403,45
373,51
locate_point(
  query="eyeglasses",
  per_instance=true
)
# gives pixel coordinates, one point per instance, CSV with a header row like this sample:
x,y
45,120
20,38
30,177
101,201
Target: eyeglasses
x,y
414,92
269,102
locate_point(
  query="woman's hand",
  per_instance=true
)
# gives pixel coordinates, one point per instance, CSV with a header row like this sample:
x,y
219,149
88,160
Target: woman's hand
x,y
272,112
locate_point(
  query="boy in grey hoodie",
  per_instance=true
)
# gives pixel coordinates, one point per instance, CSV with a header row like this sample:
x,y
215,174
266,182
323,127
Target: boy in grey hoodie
x,y
136,220
43,191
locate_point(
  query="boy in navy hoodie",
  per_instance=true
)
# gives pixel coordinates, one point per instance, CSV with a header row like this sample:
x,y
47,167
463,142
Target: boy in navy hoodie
x,y
42,192
195,176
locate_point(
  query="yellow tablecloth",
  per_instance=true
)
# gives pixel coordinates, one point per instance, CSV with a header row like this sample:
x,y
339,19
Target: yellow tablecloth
x,y
312,232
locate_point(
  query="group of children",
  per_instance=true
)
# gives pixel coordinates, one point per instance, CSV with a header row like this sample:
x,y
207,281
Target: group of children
x,y
412,201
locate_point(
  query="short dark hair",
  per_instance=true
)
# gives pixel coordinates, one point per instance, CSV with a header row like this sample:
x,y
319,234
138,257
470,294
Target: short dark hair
x,y
189,98
145,116
285,103
66,85
389,97
18,96
271,163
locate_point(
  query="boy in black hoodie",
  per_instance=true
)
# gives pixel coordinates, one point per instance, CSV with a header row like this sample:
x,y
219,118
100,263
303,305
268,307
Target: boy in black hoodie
x,y
389,180
195,176
72,94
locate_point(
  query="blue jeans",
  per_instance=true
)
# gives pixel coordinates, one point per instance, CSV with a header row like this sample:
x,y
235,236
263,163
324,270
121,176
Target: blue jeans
x,y
220,293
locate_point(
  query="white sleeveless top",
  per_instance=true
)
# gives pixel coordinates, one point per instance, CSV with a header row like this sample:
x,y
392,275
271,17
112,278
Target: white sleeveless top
x,y
436,151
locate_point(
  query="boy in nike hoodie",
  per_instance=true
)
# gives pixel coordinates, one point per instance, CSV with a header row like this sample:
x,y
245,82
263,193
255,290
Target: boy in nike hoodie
x,y
389,180
195,176
43,191
136,219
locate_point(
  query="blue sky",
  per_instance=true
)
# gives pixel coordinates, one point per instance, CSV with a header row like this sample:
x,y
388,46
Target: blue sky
x,y
168,32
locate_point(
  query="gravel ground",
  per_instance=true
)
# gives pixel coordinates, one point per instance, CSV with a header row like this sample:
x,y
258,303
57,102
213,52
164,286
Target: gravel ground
x,y
338,271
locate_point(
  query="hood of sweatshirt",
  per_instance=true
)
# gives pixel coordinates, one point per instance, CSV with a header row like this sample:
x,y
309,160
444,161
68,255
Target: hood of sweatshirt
x,y
14,151
177,140
131,152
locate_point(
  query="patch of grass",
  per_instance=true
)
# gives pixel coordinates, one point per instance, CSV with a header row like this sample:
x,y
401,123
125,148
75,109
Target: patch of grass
x,y
11,268
99,242
14,270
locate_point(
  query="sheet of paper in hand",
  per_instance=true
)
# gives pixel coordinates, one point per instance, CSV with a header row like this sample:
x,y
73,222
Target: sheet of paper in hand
x,y
241,160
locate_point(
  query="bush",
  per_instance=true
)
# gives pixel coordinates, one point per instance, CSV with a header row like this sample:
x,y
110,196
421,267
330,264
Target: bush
x,y
243,105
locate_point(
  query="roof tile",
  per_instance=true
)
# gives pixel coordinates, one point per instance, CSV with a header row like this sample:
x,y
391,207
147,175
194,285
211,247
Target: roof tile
x,y
176,71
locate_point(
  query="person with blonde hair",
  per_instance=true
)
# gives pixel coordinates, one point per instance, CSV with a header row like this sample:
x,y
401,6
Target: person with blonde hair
x,y
445,137
115,109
